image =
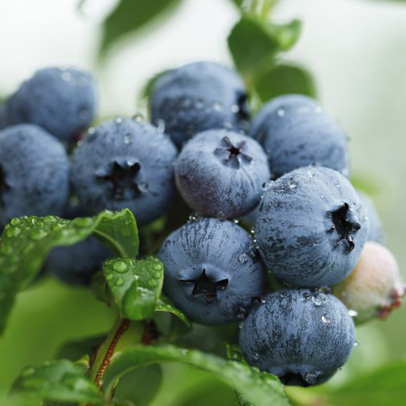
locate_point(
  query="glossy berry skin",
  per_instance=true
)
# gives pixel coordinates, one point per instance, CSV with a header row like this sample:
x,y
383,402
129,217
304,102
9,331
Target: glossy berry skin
x,y
34,173
60,100
375,227
212,270
221,174
198,97
311,227
301,336
296,132
124,163
373,289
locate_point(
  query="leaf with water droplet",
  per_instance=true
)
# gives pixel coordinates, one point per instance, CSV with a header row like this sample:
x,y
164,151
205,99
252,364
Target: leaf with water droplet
x,y
26,242
134,285
259,388
58,381
165,305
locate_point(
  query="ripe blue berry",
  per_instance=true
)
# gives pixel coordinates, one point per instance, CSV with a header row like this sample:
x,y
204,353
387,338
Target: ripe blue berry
x,y
311,227
296,132
375,227
301,336
220,174
197,97
125,164
212,272
77,263
60,100
34,173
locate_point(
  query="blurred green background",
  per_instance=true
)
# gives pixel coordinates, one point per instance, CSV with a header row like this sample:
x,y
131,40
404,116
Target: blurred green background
x,y
356,51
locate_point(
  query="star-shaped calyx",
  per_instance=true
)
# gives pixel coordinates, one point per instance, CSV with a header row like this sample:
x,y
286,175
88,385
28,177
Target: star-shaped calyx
x,y
207,286
232,154
125,178
345,225
4,186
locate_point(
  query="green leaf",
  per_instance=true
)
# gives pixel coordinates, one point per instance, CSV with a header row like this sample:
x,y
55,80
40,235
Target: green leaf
x,y
254,44
285,79
139,386
384,386
74,350
26,242
135,285
165,305
259,388
61,381
130,16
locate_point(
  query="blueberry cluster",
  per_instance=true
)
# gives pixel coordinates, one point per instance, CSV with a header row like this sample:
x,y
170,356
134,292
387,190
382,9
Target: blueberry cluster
x,y
271,199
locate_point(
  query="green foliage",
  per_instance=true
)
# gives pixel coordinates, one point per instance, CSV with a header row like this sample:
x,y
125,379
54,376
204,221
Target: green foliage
x,y
26,242
165,305
130,16
254,44
60,380
256,387
383,386
135,285
148,378
285,79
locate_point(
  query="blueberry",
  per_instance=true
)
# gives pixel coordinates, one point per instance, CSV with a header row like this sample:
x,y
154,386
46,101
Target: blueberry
x,y
373,289
212,272
76,264
296,132
220,174
3,121
375,227
198,97
125,164
301,336
311,227
60,100
34,173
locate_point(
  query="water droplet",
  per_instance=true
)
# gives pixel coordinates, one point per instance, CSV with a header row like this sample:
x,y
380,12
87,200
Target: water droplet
x,y
127,139
243,258
120,266
119,120
38,234
255,356
306,296
160,124
119,282
352,313
66,76
283,293
138,117
311,377
240,325
236,221
292,184
109,277
15,221
158,266
356,344
325,318
310,173
267,185
280,112
317,301
217,106
235,109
